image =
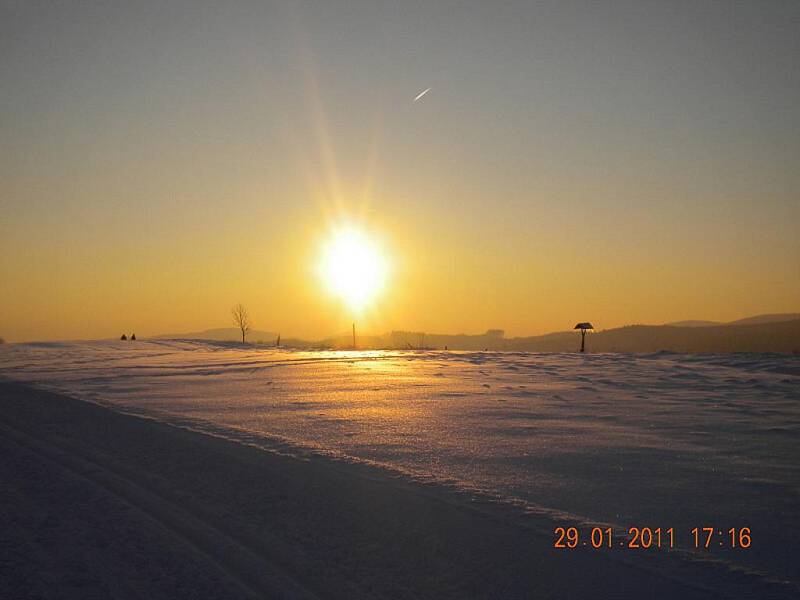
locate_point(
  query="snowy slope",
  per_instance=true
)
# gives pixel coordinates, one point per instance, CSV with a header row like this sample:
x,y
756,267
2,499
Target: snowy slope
x,y
664,440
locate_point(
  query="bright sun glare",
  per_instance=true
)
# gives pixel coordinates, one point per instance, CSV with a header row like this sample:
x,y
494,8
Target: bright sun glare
x,y
353,267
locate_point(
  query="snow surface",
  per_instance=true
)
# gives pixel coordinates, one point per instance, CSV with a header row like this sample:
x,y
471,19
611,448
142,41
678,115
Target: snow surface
x,y
667,440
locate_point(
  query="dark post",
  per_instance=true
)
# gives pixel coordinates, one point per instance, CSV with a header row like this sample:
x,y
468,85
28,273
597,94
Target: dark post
x,y
583,340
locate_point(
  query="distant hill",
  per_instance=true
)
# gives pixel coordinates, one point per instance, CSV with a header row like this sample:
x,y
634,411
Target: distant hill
x,y
693,324
765,333
772,318
224,334
778,336
783,336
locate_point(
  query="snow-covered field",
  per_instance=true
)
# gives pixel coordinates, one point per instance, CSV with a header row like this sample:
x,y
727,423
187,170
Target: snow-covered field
x,y
663,440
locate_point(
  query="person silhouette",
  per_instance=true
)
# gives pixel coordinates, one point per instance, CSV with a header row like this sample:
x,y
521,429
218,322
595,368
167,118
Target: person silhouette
x,y
133,337
124,337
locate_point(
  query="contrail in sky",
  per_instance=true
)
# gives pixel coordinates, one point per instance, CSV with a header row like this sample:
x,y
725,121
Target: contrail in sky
x,y
421,94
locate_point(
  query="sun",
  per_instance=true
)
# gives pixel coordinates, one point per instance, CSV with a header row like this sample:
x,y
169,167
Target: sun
x,y
353,267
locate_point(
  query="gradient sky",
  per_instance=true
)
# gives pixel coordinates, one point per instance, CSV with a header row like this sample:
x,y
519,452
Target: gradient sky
x,y
616,162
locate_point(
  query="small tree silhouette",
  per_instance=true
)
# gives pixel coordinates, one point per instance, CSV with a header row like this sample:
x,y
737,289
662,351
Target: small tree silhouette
x,y
242,319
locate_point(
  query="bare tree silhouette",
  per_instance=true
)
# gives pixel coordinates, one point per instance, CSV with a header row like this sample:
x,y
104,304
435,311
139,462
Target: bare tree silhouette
x,y
242,319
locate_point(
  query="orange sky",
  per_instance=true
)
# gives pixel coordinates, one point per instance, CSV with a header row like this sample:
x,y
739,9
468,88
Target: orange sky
x,y
157,168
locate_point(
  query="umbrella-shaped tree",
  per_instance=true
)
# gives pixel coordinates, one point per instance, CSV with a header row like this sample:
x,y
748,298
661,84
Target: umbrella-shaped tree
x,y
584,327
